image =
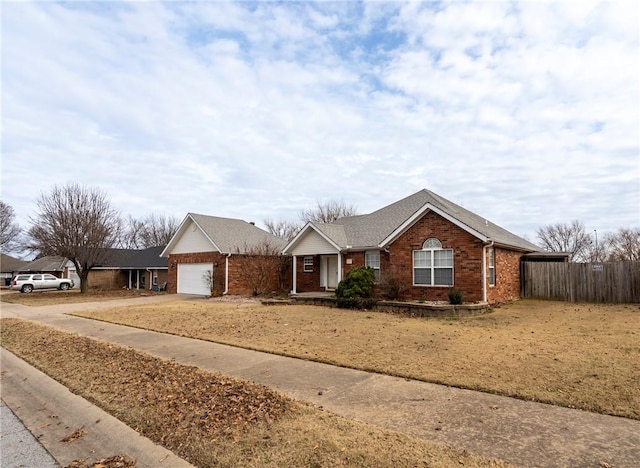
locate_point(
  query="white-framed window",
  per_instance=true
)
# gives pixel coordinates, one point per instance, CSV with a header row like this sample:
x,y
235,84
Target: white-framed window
x,y
308,265
492,266
372,260
433,265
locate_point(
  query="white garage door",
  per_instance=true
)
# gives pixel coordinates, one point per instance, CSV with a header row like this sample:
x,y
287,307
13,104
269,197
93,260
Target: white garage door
x,y
192,278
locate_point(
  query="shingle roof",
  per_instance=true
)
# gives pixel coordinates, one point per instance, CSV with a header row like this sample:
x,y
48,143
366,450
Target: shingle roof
x,y
235,235
48,263
9,264
372,229
146,258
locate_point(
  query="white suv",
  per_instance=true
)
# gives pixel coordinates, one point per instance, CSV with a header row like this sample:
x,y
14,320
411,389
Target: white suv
x,y
27,283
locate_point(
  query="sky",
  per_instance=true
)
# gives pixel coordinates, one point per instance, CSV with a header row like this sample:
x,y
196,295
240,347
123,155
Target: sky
x,y
526,113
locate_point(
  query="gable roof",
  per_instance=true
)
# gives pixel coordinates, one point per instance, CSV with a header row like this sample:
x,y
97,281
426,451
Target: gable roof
x,y
47,263
227,235
9,264
382,227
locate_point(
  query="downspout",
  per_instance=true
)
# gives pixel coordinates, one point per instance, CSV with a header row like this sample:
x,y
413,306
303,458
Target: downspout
x,y
295,275
226,275
484,270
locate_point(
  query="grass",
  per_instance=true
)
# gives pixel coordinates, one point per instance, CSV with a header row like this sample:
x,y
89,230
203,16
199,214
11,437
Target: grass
x,y
576,355
213,420
49,297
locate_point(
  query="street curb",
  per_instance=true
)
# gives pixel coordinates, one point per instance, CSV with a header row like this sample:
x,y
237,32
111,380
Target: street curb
x,y
51,413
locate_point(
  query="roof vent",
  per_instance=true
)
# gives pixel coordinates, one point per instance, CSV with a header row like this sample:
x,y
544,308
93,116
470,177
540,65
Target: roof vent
x,y
252,223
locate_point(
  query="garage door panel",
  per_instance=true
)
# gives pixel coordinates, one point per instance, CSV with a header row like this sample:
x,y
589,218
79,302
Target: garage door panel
x,y
191,278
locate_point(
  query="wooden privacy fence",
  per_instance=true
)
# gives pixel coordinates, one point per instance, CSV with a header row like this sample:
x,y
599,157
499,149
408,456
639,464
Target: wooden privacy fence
x,y
581,282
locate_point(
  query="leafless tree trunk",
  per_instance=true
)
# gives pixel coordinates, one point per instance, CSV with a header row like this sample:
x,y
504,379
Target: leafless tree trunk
x,y
570,238
9,230
76,222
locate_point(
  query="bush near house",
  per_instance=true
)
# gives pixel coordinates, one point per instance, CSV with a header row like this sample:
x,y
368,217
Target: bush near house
x,y
356,290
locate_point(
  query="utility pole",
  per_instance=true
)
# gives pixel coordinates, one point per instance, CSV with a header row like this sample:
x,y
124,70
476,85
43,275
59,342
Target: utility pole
x,y
596,232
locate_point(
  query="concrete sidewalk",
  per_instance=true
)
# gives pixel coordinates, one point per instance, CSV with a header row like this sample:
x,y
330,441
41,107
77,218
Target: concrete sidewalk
x,y
520,432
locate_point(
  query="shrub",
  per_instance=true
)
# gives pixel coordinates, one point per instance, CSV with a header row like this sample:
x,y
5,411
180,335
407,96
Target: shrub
x,y
391,288
358,283
455,297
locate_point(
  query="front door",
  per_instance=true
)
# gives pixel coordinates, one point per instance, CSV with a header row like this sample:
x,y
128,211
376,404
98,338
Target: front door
x,y
332,272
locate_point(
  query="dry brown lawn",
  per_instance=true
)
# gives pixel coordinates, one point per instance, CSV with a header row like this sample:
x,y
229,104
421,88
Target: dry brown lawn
x,y
52,297
213,420
577,355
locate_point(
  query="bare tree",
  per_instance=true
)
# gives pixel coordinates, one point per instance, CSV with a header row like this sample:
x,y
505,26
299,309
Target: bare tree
x,y
152,231
130,238
624,244
263,267
283,229
328,212
562,237
76,222
9,230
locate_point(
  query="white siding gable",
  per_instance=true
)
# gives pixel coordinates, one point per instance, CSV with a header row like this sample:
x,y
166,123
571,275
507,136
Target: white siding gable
x,y
192,240
313,243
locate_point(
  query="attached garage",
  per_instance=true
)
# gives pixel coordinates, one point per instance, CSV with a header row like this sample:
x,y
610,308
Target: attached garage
x,y
208,243
192,278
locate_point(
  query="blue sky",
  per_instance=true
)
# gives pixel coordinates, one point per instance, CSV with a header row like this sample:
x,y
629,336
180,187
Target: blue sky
x,y
526,113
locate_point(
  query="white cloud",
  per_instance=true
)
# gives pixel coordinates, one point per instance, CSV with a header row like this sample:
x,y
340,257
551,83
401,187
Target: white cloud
x,y
527,113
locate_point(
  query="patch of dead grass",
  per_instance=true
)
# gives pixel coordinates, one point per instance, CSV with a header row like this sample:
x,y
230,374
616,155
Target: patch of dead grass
x,y
53,297
577,355
210,419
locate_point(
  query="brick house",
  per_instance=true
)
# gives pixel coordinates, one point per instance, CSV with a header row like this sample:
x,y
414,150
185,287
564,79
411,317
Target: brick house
x,y
425,242
213,255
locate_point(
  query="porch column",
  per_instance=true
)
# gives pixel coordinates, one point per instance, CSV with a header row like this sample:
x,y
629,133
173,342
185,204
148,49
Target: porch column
x,y
137,279
339,267
295,275
129,279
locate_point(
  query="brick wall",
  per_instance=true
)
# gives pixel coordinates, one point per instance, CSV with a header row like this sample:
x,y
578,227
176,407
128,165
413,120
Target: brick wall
x,y
507,267
266,274
467,259
106,279
310,281
241,281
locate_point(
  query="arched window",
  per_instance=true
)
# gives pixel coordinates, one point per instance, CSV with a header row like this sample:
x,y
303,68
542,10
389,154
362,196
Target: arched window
x,y
433,265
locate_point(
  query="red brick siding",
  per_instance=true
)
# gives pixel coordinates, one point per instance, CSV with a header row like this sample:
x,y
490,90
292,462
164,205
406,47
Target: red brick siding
x,y
310,281
507,286
107,279
239,282
467,258
243,276
216,258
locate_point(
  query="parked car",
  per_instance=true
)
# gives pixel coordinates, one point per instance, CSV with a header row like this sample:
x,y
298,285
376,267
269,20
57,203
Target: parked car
x,y
27,283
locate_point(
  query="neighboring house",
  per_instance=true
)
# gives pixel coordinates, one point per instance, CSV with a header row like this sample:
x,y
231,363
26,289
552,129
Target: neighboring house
x,y
146,268
425,242
121,268
9,266
55,265
130,268
216,255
